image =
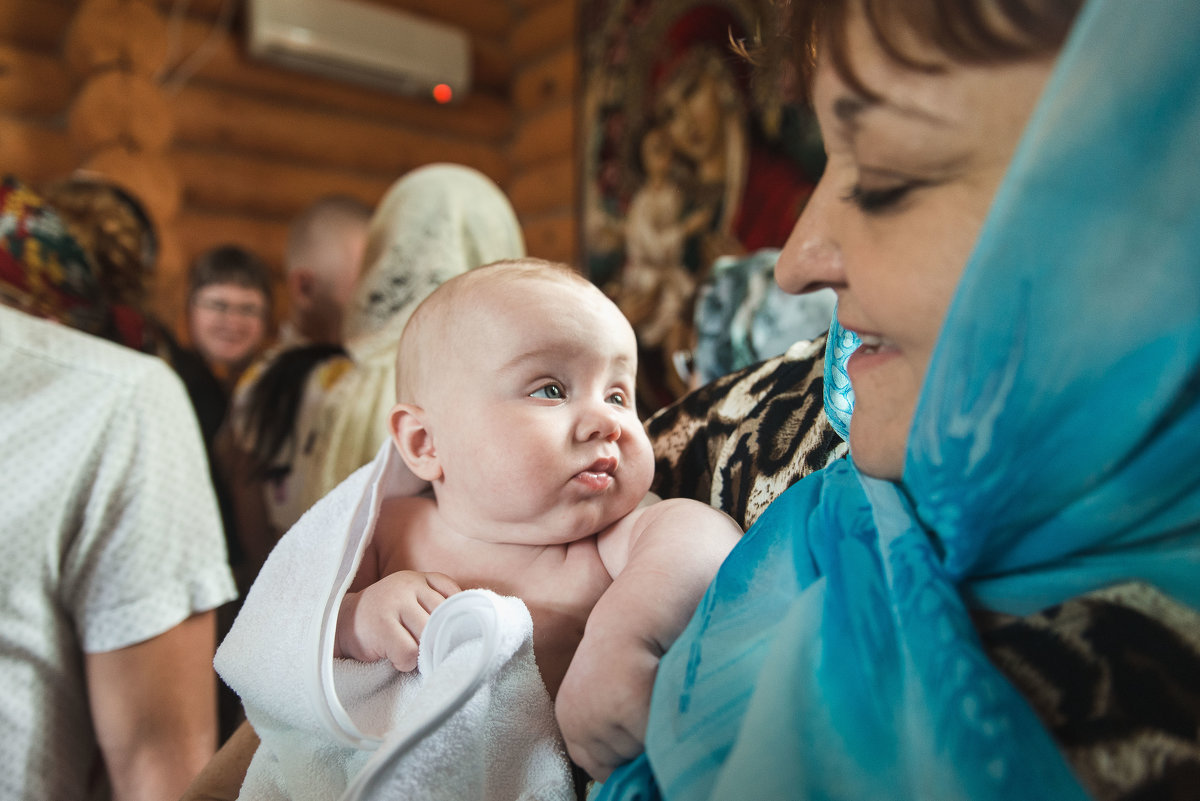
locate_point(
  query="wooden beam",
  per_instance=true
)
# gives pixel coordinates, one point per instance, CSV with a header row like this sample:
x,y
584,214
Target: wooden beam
x,y
35,152
552,80
37,25
545,134
529,5
32,82
545,29
243,184
551,186
553,236
120,108
221,119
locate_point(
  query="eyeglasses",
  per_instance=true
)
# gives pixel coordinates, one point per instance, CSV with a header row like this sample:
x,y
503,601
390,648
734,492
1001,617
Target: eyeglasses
x,y
252,310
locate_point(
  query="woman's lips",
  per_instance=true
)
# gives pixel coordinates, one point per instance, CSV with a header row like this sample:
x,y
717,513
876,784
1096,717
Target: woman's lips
x,y
872,351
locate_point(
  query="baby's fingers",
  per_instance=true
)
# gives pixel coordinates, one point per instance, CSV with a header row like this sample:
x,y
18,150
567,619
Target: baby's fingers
x,y
402,647
445,585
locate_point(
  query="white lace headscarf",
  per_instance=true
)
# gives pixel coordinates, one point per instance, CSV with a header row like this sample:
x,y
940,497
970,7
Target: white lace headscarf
x,y
434,223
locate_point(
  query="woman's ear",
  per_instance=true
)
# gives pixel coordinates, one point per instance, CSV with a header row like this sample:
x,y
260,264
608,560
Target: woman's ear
x,y
414,441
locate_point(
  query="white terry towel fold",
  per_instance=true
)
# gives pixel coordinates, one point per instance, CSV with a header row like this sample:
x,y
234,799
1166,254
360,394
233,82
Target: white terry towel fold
x,y
474,721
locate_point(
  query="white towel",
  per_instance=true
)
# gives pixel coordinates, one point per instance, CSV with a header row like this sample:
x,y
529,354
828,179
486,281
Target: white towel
x,y
473,721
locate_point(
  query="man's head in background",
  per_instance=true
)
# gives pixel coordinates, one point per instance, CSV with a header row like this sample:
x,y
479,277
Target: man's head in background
x,y
323,262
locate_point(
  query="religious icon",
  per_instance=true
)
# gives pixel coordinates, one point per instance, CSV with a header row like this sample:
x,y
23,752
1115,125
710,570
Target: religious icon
x,y
683,164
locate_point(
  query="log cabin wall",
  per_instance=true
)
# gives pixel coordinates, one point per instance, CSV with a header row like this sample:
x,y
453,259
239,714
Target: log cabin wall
x,y
161,94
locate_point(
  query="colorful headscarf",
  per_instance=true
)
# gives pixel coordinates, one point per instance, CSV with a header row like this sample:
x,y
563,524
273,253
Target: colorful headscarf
x,y
434,223
43,269
1054,451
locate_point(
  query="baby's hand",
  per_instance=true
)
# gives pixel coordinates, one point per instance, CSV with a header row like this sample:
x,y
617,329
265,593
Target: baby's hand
x,y
387,619
604,702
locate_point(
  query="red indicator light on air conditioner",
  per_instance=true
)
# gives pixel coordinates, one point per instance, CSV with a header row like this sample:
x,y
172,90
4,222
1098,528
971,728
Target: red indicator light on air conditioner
x,y
442,93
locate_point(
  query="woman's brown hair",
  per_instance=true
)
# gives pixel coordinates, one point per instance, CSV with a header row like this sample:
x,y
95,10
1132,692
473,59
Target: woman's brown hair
x,y
965,31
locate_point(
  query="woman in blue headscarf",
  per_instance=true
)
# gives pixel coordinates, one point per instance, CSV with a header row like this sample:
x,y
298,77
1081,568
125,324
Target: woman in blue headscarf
x,y
996,596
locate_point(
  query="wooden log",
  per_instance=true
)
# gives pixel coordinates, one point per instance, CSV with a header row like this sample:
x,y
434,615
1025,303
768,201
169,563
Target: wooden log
x,y
168,287
552,80
233,183
221,119
491,66
551,186
120,108
529,5
32,82
146,175
483,112
544,134
553,236
37,25
543,30
124,34
197,231
35,152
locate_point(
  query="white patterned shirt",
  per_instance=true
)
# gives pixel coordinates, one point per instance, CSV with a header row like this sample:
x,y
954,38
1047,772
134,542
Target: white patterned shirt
x,y
109,536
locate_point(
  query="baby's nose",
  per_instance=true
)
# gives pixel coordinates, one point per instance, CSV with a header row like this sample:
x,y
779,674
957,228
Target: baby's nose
x,y
601,421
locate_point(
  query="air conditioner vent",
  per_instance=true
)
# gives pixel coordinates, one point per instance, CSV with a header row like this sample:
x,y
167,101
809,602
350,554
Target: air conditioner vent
x,y
355,41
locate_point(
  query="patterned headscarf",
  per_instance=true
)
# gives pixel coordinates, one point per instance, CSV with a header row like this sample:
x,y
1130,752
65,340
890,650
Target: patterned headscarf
x,y
1053,452
43,270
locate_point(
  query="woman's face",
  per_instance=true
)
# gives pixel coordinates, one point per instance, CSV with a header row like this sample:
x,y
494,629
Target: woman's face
x,y
909,180
228,323
694,122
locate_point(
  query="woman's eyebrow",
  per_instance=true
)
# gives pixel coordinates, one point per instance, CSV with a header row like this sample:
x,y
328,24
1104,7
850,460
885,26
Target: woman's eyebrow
x,y
849,108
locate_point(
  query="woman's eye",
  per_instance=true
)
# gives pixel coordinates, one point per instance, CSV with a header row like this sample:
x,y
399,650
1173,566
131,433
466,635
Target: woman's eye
x,y
549,392
872,201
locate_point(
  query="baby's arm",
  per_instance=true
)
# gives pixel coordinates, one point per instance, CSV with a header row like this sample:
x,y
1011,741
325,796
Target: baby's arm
x,y
663,558
387,618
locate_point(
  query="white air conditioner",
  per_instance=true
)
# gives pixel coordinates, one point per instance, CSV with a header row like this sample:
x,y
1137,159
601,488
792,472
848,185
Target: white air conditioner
x,y
361,42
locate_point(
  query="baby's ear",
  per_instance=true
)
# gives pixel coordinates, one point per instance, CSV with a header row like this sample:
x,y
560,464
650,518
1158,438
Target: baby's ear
x,y
414,440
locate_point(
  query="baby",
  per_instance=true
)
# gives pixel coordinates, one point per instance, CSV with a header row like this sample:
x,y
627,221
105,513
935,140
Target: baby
x,y
516,402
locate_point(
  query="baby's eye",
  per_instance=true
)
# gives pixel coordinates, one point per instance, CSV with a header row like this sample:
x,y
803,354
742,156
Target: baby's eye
x,y
618,398
552,391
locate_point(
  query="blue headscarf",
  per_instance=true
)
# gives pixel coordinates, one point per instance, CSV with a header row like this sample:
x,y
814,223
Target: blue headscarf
x,y
1055,450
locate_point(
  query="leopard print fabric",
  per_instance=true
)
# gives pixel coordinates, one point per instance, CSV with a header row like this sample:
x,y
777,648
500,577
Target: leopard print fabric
x,y
1115,676
740,441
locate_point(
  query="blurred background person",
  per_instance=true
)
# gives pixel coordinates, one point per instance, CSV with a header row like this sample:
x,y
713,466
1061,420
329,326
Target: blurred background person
x,y
256,449
228,310
113,556
322,262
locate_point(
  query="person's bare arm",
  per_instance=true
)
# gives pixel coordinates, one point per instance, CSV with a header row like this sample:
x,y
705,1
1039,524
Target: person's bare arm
x,y
222,778
675,548
154,707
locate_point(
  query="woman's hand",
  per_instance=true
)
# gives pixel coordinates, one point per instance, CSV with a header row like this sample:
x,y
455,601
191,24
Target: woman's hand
x,y
386,619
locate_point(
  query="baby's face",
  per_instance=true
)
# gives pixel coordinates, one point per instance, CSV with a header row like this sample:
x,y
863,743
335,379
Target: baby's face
x,y
534,423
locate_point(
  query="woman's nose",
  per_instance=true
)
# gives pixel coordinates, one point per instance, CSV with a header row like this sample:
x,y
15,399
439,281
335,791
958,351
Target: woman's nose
x,y
811,258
